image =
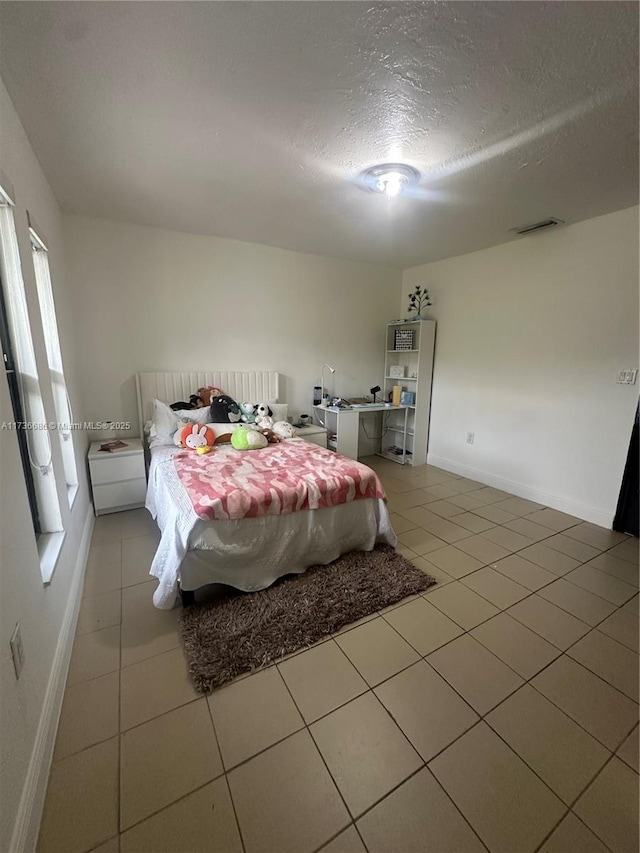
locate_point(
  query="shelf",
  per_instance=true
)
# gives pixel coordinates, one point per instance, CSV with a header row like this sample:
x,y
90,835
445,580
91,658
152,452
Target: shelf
x,y
410,431
401,460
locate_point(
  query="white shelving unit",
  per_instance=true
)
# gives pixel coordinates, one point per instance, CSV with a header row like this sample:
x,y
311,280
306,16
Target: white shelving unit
x,y
417,366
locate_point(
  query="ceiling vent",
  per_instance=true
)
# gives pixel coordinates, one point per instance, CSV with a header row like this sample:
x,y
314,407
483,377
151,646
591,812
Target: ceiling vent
x,y
543,225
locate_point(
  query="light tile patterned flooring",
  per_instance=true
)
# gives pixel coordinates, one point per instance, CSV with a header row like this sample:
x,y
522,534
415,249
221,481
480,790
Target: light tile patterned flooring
x,y
499,710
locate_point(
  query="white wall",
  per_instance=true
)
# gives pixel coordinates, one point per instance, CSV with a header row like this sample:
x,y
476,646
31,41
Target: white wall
x,y
148,299
29,706
530,337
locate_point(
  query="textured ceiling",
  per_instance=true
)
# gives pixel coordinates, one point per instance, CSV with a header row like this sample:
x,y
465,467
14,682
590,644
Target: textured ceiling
x,y
252,120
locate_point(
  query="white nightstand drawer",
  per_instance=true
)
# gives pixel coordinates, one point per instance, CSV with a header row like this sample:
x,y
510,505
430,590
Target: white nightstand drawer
x,y
114,469
119,495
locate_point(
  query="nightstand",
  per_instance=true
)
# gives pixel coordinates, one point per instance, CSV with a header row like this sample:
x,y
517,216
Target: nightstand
x,y
118,479
314,434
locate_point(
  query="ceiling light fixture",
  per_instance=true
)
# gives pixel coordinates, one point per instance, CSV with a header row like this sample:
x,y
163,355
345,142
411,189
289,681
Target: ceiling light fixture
x,y
392,179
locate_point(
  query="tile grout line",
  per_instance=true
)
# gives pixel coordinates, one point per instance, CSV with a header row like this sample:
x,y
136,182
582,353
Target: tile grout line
x,y
225,772
551,535
406,737
525,681
502,610
561,654
532,592
322,758
371,689
465,631
482,718
570,810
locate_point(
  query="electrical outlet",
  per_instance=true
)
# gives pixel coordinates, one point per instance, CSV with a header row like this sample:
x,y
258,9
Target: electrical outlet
x,y
471,437
627,377
17,650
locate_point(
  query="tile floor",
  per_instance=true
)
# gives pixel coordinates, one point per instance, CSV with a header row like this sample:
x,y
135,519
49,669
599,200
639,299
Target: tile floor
x,y
498,711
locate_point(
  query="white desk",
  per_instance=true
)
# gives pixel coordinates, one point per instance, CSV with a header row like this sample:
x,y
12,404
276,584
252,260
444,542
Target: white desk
x,y
347,424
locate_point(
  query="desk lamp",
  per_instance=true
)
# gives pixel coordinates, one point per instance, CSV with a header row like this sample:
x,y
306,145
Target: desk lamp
x,y
332,369
374,391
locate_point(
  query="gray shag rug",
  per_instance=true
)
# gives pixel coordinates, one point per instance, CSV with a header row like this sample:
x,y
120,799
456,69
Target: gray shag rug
x,y
243,631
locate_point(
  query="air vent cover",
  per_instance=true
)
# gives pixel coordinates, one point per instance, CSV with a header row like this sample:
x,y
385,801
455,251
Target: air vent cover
x,y
538,226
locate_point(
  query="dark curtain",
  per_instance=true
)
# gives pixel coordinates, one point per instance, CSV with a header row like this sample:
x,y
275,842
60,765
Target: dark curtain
x,y
626,518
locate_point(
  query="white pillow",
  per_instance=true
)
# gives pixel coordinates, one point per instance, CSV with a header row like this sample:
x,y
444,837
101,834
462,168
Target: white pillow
x,y
280,410
165,422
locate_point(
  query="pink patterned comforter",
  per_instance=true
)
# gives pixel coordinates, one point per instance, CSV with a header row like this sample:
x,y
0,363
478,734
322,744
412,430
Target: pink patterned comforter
x,y
276,480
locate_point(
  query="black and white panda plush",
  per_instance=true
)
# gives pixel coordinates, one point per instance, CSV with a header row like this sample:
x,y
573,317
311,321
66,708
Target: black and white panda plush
x,y
224,410
264,415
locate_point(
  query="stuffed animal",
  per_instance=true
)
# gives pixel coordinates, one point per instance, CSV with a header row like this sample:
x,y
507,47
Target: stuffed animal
x,y
177,436
263,410
248,439
198,437
269,434
224,410
195,402
283,429
248,415
264,415
225,438
207,393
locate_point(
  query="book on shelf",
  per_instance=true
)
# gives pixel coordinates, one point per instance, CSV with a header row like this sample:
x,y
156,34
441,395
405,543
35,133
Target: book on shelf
x,y
397,451
111,446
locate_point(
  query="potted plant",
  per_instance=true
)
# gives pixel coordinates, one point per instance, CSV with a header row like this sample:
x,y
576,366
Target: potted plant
x,y
418,300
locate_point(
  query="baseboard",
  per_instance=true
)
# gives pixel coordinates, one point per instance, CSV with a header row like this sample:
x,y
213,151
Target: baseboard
x,y
27,825
587,513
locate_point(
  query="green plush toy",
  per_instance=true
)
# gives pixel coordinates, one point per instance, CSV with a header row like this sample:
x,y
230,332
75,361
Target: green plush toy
x,y
248,439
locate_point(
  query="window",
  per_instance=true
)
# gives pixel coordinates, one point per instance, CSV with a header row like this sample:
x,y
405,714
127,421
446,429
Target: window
x,y
16,405
22,375
54,357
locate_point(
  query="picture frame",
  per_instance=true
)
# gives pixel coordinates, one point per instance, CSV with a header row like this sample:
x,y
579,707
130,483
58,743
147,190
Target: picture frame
x,y
403,339
407,398
396,371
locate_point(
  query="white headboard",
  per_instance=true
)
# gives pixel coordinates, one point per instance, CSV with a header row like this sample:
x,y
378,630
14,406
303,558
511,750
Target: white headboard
x,y
256,386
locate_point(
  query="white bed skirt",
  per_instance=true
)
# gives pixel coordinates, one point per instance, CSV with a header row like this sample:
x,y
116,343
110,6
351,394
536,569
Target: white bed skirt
x,y
251,553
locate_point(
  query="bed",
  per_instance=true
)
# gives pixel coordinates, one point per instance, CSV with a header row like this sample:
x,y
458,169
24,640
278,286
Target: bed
x,y
317,505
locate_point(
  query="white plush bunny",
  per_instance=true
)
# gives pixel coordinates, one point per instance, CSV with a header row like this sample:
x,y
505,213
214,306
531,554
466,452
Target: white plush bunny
x,y
199,439
283,429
